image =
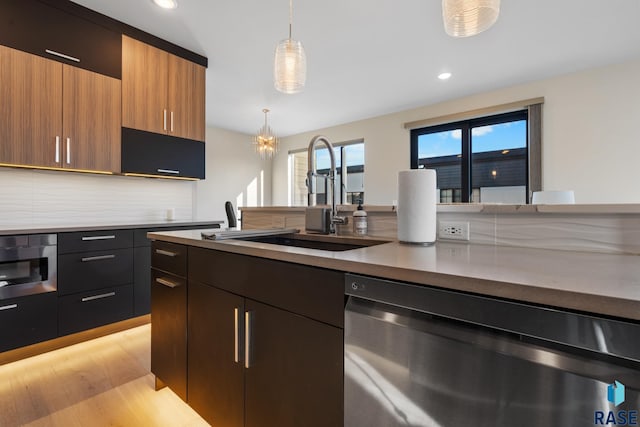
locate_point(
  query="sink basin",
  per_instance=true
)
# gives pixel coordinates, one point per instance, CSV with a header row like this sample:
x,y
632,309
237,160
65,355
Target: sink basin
x,y
326,244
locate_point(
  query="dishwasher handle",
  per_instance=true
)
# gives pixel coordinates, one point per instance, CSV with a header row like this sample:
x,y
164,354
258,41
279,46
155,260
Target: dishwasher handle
x,y
599,334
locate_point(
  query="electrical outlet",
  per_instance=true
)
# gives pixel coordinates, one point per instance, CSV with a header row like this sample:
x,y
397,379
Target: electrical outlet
x,y
453,230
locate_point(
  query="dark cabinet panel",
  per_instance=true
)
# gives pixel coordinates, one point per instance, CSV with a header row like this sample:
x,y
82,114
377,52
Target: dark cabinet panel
x,y
155,154
141,281
85,271
169,257
313,292
47,31
85,241
87,310
169,331
28,320
295,373
215,355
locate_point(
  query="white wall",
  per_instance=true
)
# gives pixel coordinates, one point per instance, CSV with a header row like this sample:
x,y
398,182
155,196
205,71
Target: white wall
x,y
234,172
590,137
38,198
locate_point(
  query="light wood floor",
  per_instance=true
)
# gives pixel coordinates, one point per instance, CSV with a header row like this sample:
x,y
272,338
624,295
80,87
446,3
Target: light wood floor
x,y
103,382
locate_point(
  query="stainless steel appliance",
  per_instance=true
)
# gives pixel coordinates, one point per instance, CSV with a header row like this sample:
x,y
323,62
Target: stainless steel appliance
x,y
28,264
422,356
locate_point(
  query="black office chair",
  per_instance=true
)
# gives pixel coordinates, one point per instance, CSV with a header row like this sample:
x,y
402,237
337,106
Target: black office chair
x,y
231,215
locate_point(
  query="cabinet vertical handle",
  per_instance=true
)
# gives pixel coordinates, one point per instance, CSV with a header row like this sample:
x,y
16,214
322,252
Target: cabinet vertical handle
x,y
236,333
165,119
247,339
57,149
68,151
172,121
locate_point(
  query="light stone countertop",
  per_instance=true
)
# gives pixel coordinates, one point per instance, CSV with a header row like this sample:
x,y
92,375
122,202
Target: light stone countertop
x,y
607,284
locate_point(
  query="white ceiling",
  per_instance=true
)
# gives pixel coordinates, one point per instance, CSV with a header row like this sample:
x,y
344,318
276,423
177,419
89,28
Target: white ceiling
x,y
372,57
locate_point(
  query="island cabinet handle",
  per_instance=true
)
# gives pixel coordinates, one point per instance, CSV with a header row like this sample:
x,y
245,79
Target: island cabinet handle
x,y
168,283
89,238
167,253
247,339
8,307
236,334
95,297
97,258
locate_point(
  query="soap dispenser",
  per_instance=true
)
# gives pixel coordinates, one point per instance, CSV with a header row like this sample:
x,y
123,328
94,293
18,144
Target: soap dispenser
x,y
360,220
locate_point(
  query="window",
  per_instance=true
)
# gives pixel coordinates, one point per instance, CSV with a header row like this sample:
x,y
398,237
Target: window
x,y
349,164
480,160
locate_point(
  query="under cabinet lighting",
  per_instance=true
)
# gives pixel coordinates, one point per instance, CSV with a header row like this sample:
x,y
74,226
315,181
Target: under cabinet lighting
x,y
166,4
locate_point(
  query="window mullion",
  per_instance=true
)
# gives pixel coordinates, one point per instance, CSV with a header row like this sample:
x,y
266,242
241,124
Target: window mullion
x,y
466,162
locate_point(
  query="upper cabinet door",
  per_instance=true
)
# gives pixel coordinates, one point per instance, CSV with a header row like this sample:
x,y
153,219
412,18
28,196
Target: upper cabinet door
x,y
161,92
186,99
91,125
145,76
31,109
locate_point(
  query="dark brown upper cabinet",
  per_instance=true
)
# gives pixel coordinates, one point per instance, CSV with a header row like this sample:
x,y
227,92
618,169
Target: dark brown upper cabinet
x,y
161,92
49,32
55,115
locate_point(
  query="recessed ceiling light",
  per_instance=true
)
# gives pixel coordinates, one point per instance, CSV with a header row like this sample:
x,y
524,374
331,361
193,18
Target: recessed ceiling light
x,y
444,76
167,4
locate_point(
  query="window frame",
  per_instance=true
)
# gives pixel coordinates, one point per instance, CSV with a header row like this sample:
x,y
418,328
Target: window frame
x,y
466,126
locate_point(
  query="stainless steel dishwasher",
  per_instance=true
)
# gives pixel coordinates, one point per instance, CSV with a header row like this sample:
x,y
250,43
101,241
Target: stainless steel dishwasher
x,y
423,356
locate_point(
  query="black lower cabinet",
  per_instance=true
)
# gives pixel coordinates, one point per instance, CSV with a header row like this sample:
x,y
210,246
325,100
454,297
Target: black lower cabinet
x,y
216,370
169,330
295,373
141,280
86,310
259,352
28,320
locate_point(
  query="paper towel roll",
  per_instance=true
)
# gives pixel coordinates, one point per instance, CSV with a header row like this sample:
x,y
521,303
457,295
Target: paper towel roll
x,y
417,206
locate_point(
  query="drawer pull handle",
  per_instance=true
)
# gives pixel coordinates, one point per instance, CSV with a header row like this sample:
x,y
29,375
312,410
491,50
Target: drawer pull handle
x,y
62,55
168,283
175,172
247,339
167,253
98,258
236,333
89,238
9,307
95,297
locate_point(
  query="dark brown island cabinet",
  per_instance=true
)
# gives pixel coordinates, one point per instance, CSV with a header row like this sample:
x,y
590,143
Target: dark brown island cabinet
x,y
264,338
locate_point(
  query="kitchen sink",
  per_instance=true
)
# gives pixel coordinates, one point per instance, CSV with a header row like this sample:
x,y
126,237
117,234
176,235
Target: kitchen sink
x,y
335,244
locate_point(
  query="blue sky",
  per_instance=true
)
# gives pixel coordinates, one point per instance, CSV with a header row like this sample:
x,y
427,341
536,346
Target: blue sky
x,y
354,154
485,138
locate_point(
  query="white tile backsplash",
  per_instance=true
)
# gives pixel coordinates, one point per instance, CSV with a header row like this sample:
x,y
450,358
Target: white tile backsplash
x,y
36,198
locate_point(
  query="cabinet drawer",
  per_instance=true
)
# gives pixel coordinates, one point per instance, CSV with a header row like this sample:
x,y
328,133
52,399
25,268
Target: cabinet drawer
x,y
87,310
169,257
34,27
28,320
312,292
79,272
94,240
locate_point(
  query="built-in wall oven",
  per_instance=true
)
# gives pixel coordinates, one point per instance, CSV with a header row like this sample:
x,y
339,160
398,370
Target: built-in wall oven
x,y
28,265
423,356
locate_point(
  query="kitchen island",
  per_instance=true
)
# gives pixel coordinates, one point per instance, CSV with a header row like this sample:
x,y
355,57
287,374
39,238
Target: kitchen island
x,y
268,341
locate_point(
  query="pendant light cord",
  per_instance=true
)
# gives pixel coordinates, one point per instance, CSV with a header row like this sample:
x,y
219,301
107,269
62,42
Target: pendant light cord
x,y
290,16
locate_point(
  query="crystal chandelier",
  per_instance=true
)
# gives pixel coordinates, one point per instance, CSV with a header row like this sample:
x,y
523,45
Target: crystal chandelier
x,y
290,65
464,18
266,141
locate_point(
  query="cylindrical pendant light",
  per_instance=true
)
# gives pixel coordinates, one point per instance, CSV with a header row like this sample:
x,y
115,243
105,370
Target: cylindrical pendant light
x,y
290,65
266,141
464,18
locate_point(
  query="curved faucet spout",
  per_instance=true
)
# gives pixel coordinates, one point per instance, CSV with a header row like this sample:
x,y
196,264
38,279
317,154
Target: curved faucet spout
x,y
312,173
